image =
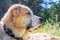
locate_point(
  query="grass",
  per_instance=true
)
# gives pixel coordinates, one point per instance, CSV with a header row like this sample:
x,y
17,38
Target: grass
x,y
50,28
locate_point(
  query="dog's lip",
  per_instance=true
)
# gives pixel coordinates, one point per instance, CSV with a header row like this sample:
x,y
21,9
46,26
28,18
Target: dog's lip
x,y
35,27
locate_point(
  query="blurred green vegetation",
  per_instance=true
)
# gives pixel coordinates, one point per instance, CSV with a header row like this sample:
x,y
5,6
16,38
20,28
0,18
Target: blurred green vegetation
x,y
51,15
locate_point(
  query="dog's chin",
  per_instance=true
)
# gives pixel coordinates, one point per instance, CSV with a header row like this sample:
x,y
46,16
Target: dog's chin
x,y
35,27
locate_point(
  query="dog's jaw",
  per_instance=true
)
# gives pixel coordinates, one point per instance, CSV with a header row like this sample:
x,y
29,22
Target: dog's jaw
x,y
34,28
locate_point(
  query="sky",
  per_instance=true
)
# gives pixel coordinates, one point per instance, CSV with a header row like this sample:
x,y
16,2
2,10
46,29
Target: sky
x,y
51,0
46,4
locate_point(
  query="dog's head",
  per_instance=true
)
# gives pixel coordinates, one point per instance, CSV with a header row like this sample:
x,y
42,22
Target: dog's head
x,y
22,16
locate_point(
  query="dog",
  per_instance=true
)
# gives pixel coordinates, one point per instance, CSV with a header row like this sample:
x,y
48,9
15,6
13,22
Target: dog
x,y
18,21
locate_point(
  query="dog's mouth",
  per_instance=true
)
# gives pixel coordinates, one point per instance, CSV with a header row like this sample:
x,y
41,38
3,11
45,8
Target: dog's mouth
x,y
35,27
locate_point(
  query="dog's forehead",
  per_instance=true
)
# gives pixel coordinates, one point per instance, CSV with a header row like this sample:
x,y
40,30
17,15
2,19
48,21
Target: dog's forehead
x,y
21,6
26,7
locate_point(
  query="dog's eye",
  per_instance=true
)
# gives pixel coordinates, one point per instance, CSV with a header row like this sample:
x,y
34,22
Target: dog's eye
x,y
28,13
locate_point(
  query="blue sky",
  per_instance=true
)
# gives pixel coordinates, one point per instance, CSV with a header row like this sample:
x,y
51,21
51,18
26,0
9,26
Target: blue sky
x,y
51,0
46,4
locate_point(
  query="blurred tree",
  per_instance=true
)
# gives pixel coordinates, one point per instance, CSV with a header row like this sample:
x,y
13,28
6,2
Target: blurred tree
x,y
56,10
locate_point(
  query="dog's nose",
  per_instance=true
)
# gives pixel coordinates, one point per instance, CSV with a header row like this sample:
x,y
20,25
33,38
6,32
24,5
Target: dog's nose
x,y
41,19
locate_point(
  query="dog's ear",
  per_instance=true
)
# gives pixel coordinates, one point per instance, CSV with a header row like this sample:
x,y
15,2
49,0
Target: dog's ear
x,y
16,11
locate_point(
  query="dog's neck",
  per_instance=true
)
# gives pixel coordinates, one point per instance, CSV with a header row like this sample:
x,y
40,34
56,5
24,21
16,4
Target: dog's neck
x,y
19,32
23,33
